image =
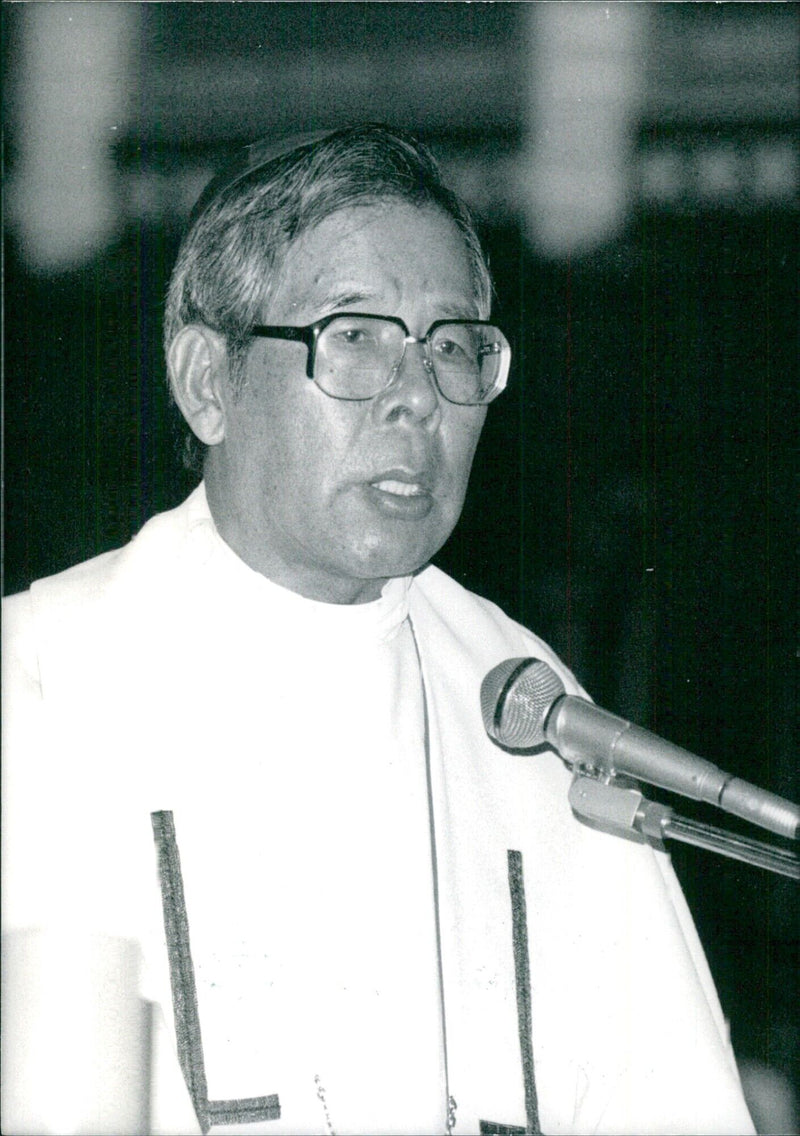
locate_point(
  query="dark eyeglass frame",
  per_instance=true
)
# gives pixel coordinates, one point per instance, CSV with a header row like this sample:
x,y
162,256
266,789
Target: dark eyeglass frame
x,y
310,333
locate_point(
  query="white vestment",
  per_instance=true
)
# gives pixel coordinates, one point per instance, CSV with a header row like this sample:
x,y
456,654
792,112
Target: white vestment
x,y
343,824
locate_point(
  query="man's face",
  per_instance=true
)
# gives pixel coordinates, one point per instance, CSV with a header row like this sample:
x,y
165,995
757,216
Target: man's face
x,y
327,497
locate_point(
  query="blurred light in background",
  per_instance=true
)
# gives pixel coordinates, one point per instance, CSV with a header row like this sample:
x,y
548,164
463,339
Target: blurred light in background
x,y
563,119
75,77
585,78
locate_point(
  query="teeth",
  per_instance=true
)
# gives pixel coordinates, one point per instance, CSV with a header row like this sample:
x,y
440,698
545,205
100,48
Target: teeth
x,y
401,488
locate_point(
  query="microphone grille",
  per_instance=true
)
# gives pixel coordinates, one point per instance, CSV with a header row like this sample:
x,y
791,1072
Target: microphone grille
x,y
516,697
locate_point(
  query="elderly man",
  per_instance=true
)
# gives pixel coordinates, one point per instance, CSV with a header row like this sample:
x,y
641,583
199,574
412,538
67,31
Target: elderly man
x,y
254,734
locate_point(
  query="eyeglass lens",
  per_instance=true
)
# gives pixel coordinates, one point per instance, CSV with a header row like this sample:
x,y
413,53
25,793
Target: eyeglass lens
x,y
356,357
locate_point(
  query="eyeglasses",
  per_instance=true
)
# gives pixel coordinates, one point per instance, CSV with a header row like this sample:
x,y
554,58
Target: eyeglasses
x,y
355,357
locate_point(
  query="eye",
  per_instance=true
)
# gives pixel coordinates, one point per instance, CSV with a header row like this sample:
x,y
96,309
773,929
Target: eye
x,y
351,333
456,345
449,347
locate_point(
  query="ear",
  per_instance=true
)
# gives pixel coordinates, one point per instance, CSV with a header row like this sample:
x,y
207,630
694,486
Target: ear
x,y
198,369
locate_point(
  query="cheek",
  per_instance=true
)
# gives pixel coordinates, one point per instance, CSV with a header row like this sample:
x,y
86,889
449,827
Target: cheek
x,y
278,435
463,441
305,456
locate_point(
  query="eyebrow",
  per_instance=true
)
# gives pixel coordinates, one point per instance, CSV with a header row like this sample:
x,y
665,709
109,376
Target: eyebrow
x,y
334,301
454,310
460,311
345,299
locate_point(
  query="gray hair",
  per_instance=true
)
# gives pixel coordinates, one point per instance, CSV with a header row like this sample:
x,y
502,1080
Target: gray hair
x,y
241,230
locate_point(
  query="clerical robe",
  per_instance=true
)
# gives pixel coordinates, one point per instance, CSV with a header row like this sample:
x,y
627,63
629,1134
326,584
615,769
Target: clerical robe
x,y
377,920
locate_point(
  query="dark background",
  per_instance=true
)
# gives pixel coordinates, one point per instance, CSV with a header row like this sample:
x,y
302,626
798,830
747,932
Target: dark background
x,y
633,498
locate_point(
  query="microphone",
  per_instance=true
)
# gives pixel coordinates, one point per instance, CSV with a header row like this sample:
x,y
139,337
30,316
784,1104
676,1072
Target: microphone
x,y
524,705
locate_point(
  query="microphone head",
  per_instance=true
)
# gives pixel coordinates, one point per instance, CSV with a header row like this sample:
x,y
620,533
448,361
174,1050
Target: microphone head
x,y
516,697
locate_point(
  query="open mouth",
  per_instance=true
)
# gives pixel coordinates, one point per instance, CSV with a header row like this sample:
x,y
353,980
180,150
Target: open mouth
x,y
401,497
400,488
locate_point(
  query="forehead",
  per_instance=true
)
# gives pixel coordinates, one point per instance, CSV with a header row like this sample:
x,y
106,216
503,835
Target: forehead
x,y
392,253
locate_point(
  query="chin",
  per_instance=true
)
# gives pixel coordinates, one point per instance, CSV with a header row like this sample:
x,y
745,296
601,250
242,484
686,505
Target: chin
x,y
386,563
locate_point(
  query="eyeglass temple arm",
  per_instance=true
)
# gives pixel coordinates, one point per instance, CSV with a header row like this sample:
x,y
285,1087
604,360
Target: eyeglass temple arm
x,y
307,335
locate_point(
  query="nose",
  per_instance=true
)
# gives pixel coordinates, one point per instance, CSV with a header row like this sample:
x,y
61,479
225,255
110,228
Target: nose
x,y
411,393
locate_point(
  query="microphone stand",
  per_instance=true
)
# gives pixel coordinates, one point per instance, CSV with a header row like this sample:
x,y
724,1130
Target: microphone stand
x,y
624,811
